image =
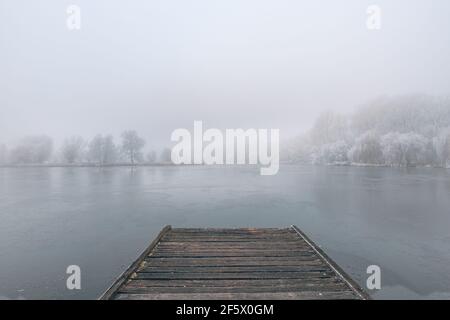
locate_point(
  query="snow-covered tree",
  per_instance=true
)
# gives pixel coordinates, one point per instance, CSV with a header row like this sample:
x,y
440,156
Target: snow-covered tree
x,y
102,150
404,149
331,153
33,149
73,149
297,149
398,131
441,145
415,149
329,127
420,114
367,149
132,145
393,152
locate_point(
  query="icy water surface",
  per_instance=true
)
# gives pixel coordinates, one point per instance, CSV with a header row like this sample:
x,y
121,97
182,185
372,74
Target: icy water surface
x,y
101,219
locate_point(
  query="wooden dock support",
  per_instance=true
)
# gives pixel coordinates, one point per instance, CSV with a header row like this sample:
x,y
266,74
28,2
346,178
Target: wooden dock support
x,y
262,263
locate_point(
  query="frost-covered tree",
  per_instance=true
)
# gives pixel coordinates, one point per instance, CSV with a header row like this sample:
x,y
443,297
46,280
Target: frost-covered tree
x,y
415,149
73,149
132,145
110,152
95,149
437,118
329,127
331,153
404,149
393,152
299,149
102,150
33,149
421,114
367,149
398,131
441,145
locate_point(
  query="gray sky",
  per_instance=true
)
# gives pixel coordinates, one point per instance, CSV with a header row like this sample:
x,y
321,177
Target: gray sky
x,y
155,66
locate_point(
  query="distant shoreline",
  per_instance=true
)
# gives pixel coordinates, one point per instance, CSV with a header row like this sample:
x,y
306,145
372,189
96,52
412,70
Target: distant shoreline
x,y
85,165
364,165
169,164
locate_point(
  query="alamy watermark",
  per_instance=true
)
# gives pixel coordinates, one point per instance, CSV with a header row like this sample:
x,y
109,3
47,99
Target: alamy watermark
x,y
73,282
235,146
373,282
373,21
73,20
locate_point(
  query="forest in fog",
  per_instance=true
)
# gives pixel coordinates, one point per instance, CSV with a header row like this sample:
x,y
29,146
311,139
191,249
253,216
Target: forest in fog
x,y
100,150
409,130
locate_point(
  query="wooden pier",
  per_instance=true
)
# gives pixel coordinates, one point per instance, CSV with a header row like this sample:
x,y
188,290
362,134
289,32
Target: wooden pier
x,y
235,264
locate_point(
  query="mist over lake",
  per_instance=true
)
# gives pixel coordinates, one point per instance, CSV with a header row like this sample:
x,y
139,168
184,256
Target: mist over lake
x,y
114,122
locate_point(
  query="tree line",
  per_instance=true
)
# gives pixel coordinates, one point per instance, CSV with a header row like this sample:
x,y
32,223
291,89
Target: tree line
x,y
100,150
411,130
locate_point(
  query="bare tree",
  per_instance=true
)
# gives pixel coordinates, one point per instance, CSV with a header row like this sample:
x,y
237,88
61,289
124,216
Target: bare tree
x,y
72,149
132,145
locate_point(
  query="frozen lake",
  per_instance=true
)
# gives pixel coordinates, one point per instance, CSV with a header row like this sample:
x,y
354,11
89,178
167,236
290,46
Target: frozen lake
x,y
101,219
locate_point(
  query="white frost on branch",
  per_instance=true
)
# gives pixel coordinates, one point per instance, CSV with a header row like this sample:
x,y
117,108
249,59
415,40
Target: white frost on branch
x,y
398,131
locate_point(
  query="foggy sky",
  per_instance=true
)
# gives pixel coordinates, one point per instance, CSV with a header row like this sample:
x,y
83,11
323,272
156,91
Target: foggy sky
x,y
155,66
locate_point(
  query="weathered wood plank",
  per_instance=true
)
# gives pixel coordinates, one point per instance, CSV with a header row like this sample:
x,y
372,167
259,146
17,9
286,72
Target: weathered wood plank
x,y
222,289
287,235
302,295
233,244
270,262
230,239
250,251
238,269
297,260
233,254
235,275
230,230
316,282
